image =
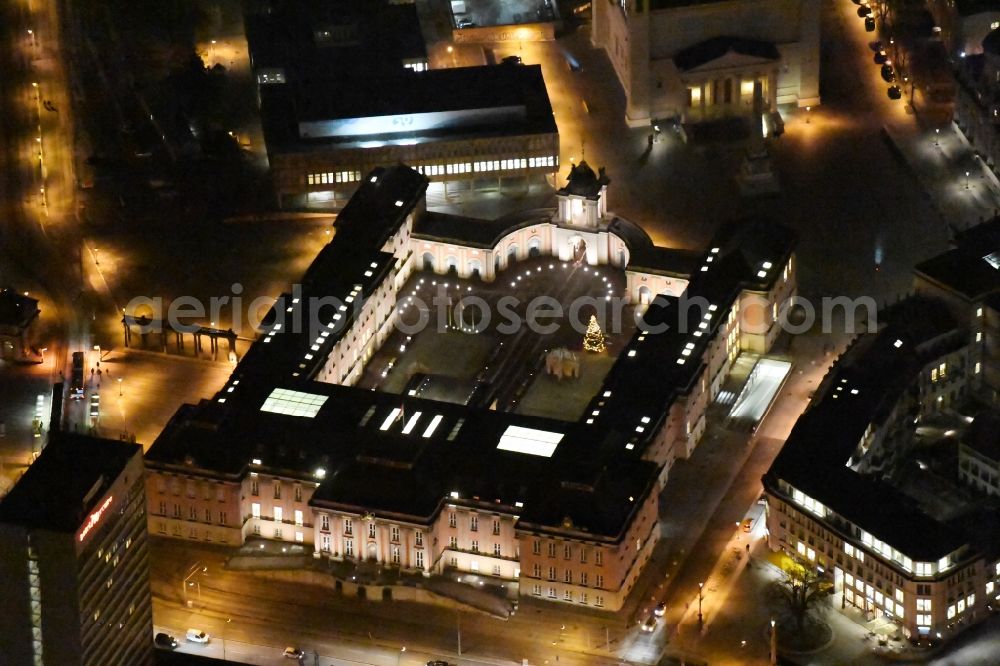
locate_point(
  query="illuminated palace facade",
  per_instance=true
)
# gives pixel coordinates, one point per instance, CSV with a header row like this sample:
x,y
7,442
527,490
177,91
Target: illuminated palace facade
x,y
291,450
895,551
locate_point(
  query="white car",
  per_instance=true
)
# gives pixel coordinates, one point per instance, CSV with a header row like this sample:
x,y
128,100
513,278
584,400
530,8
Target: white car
x,y
293,653
650,624
196,636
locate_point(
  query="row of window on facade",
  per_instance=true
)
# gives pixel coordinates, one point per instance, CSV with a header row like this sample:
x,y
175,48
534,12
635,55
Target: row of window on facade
x,y
474,546
193,513
582,579
279,513
175,488
324,526
584,597
332,177
450,169
395,554
487,166
275,488
867,539
473,522
536,548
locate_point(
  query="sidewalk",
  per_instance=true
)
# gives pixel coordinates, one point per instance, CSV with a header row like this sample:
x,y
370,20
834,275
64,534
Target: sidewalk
x,y
962,189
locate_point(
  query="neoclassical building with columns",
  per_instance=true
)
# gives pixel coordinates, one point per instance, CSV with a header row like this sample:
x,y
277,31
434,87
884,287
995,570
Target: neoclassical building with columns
x,y
290,449
700,60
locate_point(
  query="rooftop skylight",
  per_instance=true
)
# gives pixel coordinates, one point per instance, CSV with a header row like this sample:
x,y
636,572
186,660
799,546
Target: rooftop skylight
x,y
530,441
293,403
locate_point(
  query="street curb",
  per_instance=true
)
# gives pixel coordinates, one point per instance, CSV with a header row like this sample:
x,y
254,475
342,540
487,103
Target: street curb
x,y
990,174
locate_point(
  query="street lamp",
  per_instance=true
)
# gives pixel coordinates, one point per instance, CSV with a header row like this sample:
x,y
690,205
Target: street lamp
x,y
195,569
400,654
701,618
937,135
774,644
120,379
808,109
966,180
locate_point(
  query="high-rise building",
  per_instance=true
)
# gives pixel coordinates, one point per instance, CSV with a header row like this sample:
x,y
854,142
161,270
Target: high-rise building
x,y
74,573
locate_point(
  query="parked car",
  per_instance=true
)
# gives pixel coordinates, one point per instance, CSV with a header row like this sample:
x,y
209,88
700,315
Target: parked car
x,y
165,641
888,74
747,525
465,23
869,24
196,636
660,610
437,662
894,92
512,60
293,653
881,57
864,10
650,624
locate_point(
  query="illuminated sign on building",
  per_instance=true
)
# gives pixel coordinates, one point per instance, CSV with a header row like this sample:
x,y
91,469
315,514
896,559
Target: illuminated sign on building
x,y
412,122
95,518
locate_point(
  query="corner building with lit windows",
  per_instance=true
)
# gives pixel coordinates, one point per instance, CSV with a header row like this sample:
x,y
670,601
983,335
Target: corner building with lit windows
x,y
291,450
903,550
74,573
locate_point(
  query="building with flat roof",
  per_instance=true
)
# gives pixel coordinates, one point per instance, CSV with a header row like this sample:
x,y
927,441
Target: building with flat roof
x,y
343,93
18,314
290,449
977,94
834,502
74,573
963,24
967,279
701,60
979,454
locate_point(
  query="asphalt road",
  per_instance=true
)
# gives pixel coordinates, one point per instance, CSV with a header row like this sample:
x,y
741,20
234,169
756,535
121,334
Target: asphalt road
x,y
39,243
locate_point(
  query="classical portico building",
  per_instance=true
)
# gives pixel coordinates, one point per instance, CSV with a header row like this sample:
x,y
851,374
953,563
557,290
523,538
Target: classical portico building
x,y
699,60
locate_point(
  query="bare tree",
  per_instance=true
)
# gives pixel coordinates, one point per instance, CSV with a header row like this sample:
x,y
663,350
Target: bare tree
x,y
800,591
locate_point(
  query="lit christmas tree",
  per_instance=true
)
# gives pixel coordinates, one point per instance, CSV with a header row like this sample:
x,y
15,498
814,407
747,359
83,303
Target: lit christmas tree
x,y
593,339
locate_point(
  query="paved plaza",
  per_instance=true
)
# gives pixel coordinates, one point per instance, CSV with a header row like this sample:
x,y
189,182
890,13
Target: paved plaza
x,y
477,345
